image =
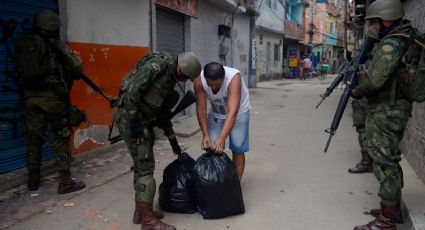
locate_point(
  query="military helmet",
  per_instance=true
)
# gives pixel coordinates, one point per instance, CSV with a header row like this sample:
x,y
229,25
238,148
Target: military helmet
x,y
47,20
189,64
388,10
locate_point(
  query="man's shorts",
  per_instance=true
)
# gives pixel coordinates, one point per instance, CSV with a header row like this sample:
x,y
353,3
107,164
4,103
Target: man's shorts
x,y
239,135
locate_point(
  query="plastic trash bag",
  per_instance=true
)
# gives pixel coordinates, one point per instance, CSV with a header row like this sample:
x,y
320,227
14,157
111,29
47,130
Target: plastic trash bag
x,y
177,192
218,192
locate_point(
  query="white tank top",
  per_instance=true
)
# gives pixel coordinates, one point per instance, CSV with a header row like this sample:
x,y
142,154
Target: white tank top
x,y
218,101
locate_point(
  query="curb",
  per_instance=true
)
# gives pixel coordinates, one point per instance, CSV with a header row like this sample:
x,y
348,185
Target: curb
x,y
19,177
12,179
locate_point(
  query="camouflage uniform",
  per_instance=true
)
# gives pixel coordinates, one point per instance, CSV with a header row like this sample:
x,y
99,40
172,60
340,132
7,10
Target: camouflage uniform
x,y
143,95
388,113
48,102
359,121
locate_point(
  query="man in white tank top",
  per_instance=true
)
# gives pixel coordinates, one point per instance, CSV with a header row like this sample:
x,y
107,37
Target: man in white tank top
x,y
228,116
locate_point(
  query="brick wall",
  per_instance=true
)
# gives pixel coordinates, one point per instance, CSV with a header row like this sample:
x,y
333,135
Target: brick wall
x,y
322,21
413,144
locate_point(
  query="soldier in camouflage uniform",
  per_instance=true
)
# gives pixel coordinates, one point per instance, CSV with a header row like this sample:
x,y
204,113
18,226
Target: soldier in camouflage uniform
x,y
48,102
389,110
359,121
144,93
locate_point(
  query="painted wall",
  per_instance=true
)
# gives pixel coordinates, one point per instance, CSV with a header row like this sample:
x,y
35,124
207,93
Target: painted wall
x,y
271,16
109,37
269,29
205,41
413,144
273,69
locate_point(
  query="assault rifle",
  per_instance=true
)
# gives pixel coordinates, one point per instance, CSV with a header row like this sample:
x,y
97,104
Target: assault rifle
x,y
93,85
351,83
188,99
342,74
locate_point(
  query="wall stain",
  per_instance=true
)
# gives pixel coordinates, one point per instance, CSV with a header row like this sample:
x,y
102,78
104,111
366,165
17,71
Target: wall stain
x,y
96,133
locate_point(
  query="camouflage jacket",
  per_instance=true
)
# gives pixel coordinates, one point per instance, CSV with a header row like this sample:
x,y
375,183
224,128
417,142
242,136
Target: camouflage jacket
x,y
147,86
64,67
379,84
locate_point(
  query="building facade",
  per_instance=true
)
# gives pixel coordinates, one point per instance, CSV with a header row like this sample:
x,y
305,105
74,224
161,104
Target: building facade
x,y
269,38
328,29
295,33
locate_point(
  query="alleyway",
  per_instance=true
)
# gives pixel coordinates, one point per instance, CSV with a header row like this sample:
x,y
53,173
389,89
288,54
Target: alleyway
x,y
289,183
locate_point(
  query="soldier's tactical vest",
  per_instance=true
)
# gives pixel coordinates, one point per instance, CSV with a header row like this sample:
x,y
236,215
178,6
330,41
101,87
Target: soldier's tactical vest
x,y
154,96
159,89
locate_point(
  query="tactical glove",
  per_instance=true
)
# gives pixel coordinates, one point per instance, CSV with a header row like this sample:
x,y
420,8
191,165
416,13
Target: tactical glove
x,y
175,145
136,129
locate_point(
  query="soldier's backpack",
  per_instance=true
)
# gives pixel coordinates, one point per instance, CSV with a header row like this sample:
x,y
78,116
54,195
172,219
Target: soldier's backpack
x,y
32,57
412,83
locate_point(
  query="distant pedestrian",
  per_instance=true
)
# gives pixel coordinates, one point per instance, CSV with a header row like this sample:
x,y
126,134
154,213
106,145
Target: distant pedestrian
x,y
224,88
306,67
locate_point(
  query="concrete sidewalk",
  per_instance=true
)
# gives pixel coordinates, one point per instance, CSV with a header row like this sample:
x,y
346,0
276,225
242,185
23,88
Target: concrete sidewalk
x,y
289,183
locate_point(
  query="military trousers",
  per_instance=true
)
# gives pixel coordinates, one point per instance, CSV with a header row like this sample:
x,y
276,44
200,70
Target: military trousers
x,y
40,113
359,120
143,158
384,130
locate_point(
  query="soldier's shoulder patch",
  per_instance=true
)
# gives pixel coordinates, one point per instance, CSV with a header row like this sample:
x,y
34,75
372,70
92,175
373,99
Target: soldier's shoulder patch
x,y
155,67
391,42
387,48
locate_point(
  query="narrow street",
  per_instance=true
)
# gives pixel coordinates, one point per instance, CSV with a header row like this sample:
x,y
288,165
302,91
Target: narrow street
x,y
289,183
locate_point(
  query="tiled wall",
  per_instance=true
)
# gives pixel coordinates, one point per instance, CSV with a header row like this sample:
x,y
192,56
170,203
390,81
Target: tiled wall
x,y
413,144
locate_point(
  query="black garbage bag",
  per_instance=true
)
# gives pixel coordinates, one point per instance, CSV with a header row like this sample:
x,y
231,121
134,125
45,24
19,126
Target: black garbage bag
x,y
177,191
218,192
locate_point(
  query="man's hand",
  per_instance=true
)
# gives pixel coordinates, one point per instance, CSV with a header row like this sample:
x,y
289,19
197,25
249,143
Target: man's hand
x,y
361,75
136,131
206,143
175,145
355,95
219,146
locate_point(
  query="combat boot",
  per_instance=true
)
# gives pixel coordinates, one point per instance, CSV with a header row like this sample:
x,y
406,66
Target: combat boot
x,y
137,216
384,221
150,221
67,184
364,166
33,180
399,218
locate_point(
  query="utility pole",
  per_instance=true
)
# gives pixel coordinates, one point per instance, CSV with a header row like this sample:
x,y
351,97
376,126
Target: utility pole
x,y
252,76
345,29
311,30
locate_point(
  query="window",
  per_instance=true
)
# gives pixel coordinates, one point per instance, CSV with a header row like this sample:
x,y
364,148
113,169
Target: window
x,y
332,27
276,52
285,51
269,3
261,39
288,11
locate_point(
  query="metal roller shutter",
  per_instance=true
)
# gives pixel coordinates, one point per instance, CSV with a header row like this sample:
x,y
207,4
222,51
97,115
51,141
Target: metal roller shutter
x,y
15,16
170,36
169,31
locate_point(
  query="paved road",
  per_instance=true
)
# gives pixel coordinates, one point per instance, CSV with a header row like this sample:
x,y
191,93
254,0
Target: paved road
x,y
289,182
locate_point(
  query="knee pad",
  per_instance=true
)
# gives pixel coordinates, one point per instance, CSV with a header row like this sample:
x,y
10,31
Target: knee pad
x,y
145,188
390,180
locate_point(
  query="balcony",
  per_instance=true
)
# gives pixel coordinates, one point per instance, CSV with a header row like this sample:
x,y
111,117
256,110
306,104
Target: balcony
x,y
333,10
293,31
